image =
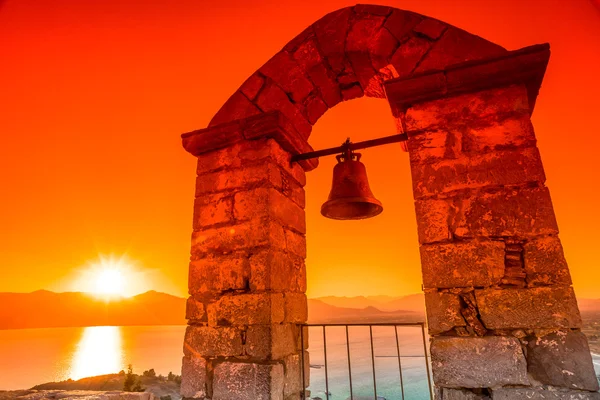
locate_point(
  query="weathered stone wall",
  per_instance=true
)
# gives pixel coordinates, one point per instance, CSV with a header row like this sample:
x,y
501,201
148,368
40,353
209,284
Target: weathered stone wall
x,y
501,310
247,275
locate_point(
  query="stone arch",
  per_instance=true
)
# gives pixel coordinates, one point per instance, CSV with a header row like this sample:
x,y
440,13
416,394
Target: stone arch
x,y
348,54
501,310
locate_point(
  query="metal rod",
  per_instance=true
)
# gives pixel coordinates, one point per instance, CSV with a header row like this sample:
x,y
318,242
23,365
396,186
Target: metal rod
x,y
302,361
349,367
401,137
399,362
373,362
325,355
426,361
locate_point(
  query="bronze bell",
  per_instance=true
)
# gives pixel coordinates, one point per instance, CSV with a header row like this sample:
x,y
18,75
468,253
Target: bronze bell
x,y
350,196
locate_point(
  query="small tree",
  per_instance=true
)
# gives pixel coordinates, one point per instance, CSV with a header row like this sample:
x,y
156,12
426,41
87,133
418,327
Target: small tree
x,y
150,373
138,386
129,379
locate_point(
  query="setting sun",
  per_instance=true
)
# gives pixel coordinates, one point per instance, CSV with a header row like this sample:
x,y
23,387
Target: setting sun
x,y
110,282
110,276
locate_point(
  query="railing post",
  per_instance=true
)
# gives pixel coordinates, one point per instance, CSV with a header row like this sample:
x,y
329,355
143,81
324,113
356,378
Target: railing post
x,y
426,360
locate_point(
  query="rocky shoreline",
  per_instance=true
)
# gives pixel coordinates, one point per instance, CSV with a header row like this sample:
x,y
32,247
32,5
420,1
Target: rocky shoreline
x,y
75,395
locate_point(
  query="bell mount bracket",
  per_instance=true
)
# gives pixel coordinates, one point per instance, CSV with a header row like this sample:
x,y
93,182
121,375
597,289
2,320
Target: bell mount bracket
x,y
346,150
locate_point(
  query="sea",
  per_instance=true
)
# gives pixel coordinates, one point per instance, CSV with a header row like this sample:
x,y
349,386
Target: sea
x,y
32,356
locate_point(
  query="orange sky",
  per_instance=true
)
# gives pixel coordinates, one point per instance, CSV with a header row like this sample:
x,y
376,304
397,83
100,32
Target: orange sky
x,y
94,96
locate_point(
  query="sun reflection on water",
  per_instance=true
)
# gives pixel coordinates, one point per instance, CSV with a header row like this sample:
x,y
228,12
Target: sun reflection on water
x,y
98,352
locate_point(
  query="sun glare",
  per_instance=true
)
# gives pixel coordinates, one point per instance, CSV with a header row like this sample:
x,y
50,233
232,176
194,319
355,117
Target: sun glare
x,y
110,282
111,276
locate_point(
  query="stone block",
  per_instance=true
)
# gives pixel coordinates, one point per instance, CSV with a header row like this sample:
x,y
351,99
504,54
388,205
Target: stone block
x,y
462,264
506,133
251,176
194,310
295,243
296,308
293,375
193,377
315,108
533,308
540,393
400,23
499,168
407,56
523,212
324,80
210,210
381,48
431,28
562,359
252,85
230,156
433,218
277,271
222,341
364,71
236,107
443,312
459,394
478,362
432,146
219,273
283,69
249,154
470,111
307,54
545,262
331,31
229,239
293,191
246,309
353,91
456,46
268,203
362,31
247,381
273,98
272,342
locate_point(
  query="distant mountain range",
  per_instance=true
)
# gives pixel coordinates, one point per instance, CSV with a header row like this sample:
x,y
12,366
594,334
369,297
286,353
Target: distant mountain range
x,y
45,309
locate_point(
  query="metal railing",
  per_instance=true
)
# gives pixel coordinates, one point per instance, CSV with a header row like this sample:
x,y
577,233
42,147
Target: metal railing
x,y
398,355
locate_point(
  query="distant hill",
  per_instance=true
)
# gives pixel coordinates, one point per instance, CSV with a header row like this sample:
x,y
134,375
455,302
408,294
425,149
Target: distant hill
x,y
588,304
413,302
321,312
44,309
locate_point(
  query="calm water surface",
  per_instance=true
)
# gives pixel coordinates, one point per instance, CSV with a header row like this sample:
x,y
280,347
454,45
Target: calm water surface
x,y
32,356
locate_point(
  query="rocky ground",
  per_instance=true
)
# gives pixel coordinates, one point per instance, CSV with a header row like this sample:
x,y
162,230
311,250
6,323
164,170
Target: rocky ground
x,y
74,395
102,387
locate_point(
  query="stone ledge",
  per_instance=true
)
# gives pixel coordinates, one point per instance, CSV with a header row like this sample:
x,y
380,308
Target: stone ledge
x,y
542,394
524,66
268,125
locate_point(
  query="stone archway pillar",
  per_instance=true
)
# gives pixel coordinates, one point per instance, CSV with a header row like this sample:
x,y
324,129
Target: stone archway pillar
x,y
501,310
247,276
